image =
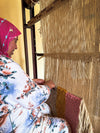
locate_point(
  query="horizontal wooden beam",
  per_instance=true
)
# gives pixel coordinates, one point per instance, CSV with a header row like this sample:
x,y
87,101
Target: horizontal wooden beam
x,y
54,5
39,54
75,56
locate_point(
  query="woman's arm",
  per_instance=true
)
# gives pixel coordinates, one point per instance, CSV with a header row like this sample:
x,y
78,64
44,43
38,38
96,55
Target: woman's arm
x,y
18,88
48,83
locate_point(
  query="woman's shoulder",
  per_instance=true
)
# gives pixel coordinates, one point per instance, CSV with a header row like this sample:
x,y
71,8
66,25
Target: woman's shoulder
x,y
8,63
5,59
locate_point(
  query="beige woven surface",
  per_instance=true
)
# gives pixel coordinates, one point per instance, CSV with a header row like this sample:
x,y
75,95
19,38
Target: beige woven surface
x,y
85,125
74,28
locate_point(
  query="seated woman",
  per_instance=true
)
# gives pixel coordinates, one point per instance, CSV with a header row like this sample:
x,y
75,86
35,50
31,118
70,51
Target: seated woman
x,y
22,100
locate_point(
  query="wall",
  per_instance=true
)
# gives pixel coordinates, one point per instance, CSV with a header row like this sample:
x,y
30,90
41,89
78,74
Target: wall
x,y
39,45
12,11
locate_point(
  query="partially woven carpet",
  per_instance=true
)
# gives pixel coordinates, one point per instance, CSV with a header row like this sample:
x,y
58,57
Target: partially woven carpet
x,y
52,101
60,102
72,108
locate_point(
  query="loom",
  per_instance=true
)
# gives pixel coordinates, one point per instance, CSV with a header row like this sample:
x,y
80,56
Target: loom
x,y
70,31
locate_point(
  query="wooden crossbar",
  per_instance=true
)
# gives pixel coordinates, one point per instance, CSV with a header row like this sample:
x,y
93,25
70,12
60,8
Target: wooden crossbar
x,y
46,11
74,56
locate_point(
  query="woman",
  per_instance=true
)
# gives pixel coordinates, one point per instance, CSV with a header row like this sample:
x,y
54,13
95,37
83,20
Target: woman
x,y
22,101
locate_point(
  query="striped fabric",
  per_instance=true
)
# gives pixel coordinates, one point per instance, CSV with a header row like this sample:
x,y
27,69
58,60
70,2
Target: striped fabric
x,y
67,107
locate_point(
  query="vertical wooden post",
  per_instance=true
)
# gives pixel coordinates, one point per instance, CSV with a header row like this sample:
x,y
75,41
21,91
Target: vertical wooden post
x,y
25,38
33,45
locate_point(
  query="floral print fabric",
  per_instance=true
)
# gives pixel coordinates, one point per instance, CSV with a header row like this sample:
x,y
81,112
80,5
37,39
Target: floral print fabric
x,y
22,103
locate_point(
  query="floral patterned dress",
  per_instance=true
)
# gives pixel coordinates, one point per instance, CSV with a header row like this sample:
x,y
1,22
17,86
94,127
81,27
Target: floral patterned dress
x,y
22,103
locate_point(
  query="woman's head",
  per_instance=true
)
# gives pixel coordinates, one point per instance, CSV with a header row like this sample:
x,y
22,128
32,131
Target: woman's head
x,y
12,46
8,37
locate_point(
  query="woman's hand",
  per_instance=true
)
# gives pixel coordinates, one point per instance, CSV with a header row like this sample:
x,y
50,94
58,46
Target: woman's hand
x,y
39,81
50,84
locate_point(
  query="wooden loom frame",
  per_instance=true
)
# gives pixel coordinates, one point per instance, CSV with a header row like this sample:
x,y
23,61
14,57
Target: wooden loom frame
x,y
74,56
87,57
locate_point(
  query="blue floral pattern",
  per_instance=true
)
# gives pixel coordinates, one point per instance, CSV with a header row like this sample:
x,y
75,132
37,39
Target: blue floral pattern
x,y
22,103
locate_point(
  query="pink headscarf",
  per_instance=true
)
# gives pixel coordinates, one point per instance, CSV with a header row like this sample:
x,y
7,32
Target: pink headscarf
x,y
7,33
